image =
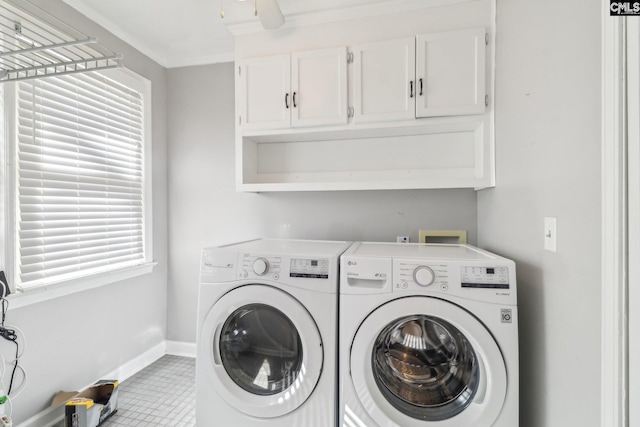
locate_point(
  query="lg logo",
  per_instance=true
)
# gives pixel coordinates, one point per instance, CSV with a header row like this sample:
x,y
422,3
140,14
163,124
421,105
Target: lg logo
x,y
617,8
506,315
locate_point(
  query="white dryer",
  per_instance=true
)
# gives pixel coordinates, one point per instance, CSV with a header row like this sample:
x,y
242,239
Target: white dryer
x,y
267,323
428,337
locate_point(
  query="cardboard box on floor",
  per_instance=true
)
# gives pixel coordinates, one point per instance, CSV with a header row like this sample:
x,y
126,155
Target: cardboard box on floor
x,y
89,407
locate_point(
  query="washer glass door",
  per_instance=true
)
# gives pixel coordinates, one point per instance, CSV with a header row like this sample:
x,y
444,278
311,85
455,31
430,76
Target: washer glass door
x,y
425,367
261,349
421,361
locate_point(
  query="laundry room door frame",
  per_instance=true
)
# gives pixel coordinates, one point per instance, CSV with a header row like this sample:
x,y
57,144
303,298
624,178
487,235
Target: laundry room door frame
x,y
620,376
614,403
633,195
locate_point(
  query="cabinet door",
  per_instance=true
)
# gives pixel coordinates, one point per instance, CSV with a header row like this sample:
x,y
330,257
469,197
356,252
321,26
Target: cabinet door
x,y
266,99
319,87
451,73
384,83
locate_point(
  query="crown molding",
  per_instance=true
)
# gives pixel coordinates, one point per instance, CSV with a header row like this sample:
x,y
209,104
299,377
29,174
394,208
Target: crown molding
x,y
343,14
117,30
201,60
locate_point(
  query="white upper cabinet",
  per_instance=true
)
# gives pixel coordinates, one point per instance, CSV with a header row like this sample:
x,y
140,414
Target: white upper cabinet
x,y
319,87
400,105
450,73
384,80
298,90
265,84
443,74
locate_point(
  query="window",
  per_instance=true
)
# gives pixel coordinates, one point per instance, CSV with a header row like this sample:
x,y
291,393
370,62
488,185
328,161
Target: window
x,y
80,177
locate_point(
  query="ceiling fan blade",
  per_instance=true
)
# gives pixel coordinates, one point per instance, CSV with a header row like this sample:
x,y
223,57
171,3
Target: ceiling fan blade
x,y
270,14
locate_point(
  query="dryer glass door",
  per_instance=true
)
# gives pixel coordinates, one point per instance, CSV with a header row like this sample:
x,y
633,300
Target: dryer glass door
x,y
261,349
425,367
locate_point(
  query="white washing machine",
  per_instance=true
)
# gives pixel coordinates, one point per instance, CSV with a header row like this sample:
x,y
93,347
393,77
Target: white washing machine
x,y
428,337
267,324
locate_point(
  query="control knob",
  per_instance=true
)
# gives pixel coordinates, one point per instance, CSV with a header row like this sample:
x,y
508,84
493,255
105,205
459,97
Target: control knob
x,y
260,266
423,275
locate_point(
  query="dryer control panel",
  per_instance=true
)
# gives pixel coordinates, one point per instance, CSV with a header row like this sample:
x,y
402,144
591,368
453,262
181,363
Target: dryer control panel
x,y
313,268
260,266
277,267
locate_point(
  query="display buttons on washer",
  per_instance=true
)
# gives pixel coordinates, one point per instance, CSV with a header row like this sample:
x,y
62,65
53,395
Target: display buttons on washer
x,y
444,287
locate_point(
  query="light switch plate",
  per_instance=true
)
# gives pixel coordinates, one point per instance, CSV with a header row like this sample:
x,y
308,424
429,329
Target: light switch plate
x,y
550,234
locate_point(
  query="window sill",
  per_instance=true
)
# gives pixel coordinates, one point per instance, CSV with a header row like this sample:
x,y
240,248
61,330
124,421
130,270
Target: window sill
x,y
48,292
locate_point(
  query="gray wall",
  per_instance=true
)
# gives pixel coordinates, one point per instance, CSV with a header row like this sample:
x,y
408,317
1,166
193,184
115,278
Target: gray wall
x,y
205,210
74,340
548,164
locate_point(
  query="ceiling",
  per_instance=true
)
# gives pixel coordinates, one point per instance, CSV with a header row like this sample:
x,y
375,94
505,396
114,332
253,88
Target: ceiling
x,y
178,33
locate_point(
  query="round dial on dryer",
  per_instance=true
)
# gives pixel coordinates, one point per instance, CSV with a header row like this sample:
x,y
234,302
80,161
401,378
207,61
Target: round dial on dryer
x,y
260,266
423,275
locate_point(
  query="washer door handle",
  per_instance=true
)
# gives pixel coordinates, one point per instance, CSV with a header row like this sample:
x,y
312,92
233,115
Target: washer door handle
x,y
481,393
216,346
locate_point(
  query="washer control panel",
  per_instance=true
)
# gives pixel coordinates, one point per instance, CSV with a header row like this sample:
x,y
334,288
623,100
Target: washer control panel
x,y
416,274
443,277
484,277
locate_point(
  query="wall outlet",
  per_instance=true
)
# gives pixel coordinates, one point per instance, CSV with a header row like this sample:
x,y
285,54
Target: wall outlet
x,y
402,239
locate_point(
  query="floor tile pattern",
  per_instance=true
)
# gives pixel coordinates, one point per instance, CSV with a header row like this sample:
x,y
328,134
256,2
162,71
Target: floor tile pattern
x,y
162,394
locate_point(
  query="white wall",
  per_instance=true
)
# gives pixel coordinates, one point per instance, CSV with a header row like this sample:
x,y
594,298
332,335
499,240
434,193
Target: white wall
x,y
74,340
205,209
548,164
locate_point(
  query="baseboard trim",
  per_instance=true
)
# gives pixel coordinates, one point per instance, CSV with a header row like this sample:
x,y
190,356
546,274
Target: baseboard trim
x,y
181,348
51,416
138,363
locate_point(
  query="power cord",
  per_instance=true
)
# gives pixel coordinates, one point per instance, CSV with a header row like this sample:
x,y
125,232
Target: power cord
x,y
5,286
10,333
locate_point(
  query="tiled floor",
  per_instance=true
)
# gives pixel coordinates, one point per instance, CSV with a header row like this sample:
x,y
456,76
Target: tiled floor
x,y
162,394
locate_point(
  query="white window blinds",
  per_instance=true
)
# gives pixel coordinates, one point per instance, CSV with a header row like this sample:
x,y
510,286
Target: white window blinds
x,y
80,178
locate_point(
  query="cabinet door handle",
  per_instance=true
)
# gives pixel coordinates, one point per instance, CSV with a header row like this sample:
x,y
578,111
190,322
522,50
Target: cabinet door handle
x,y
294,100
286,100
411,89
420,87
